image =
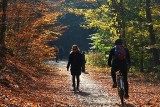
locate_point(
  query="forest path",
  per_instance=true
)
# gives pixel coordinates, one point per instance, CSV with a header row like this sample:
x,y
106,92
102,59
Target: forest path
x,y
91,94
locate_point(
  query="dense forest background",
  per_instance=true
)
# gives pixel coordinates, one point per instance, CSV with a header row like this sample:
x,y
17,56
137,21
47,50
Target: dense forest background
x,y
74,34
136,22
27,27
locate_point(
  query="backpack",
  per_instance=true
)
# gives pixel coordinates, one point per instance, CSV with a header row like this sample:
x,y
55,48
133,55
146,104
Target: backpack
x,y
120,52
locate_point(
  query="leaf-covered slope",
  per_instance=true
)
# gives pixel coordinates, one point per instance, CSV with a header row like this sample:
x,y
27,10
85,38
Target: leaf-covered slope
x,y
22,85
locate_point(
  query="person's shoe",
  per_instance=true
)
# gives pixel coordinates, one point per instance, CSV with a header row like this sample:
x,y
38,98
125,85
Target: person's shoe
x,y
74,89
77,88
126,96
114,85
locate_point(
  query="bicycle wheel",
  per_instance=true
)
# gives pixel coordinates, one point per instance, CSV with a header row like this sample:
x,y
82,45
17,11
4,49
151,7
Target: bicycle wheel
x,y
120,91
121,95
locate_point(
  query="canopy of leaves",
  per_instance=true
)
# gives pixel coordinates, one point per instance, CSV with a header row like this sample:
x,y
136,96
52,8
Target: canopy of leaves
x,y
126,19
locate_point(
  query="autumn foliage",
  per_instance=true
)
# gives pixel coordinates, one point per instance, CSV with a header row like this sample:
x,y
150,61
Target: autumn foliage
x,y
31,25
26,81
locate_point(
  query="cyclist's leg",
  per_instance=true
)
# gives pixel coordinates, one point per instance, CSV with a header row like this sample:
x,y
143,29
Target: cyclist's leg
x,y
113,74
125,79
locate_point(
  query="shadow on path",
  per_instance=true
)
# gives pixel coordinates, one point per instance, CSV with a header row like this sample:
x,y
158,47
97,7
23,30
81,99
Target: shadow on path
x,y
82,93
90,94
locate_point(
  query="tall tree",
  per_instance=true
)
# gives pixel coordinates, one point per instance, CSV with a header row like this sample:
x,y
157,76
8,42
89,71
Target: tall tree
x,y
123,35
151,32
127,19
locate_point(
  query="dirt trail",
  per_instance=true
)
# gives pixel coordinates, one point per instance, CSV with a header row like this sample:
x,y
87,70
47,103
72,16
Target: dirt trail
x,y
90,94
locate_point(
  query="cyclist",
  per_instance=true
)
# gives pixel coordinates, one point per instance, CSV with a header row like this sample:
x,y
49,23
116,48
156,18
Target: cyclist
x,y
121,65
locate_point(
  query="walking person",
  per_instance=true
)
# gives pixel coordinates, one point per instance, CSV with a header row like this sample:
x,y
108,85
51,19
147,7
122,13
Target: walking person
x,y
61,52
56,54
119,61
75,63
84,62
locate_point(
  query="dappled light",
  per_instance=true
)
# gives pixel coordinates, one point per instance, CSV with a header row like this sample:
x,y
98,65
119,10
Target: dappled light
x,y
36,39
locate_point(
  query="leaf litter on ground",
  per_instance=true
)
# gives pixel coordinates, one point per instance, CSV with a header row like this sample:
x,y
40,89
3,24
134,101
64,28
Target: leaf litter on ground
x,y
22,85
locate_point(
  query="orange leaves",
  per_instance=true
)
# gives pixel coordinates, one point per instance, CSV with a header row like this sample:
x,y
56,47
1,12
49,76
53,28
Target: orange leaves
x,y
47,19
28,35
143,91
33,26
36,88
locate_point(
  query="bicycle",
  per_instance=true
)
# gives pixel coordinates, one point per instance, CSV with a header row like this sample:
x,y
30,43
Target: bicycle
x,y
120,87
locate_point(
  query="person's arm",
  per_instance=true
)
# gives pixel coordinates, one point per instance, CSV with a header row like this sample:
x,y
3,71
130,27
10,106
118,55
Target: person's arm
x,y
69,62
110,58
128,57
82,61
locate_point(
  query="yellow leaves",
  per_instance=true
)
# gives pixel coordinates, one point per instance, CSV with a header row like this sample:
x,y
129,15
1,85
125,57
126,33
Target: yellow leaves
x,y
156,46
76,11
95,17
130,29
156,25
51,17
90,13
71,10
90,0
104,8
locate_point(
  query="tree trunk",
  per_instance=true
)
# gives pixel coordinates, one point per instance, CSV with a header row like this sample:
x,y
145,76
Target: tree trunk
x,y
151,32
119,9
2,35
123,19
141,61
3,26
141,39
123,34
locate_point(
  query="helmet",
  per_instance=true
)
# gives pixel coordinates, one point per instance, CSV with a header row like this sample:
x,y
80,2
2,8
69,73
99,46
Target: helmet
x,y
119,42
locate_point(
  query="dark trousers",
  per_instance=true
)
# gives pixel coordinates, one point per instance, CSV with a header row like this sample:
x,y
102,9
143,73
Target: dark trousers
x,y
83,68
57,58
124,71
74,78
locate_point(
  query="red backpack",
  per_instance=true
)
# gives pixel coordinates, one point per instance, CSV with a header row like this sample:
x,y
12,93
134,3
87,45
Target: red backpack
x,y
120,52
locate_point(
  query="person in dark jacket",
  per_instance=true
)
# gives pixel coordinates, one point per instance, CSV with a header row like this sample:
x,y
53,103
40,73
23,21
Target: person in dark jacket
x,y
75,63
121,65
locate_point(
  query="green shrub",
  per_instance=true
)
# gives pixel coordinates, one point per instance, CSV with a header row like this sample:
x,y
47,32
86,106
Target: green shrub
x,y
96,59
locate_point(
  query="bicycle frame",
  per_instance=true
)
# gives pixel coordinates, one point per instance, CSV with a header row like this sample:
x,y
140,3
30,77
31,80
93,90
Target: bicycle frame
x,y
121,81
